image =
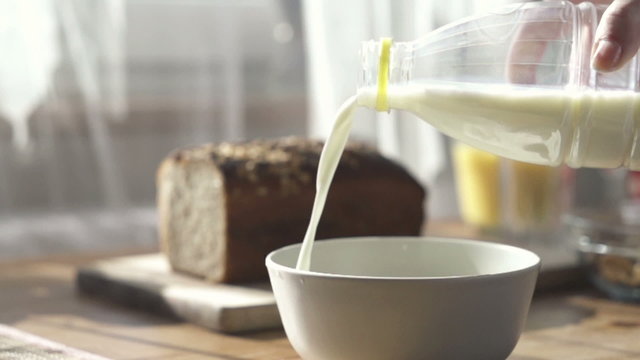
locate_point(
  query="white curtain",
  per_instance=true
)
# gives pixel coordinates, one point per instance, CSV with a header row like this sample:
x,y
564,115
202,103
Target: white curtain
x,y
94,93
334,30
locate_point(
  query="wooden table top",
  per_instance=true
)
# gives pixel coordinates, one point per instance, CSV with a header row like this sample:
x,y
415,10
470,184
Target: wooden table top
x,y
39,297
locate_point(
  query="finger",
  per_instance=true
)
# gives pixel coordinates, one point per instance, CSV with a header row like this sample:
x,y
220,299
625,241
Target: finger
x,y
617,38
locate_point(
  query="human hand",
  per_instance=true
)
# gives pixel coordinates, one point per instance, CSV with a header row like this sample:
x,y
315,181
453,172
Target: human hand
x,y
614,43
617,38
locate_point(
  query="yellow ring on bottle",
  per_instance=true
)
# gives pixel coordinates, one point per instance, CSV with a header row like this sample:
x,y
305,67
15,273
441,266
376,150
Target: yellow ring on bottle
x,y
382,103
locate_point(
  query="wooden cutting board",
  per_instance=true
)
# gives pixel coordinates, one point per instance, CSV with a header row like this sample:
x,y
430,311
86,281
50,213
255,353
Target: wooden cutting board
x,y
147,282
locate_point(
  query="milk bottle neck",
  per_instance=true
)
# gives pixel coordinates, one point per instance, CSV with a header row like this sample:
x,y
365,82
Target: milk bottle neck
x,y
399,66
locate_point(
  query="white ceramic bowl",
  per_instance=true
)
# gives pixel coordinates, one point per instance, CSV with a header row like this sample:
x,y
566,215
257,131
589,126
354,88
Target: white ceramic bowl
x,y
395,298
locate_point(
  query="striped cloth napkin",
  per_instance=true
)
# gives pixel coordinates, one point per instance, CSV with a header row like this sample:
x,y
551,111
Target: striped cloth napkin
x,y
18,345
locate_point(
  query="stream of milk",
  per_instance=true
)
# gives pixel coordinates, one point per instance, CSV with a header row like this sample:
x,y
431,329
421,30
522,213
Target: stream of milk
x,y
329,159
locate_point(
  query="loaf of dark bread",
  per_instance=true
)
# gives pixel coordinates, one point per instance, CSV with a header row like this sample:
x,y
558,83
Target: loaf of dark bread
x,y
223,208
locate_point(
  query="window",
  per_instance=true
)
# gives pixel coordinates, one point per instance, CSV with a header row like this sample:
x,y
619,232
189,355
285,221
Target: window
x,y
107,88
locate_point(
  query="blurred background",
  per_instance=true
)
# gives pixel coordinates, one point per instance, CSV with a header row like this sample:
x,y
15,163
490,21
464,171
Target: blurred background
x,y
95,93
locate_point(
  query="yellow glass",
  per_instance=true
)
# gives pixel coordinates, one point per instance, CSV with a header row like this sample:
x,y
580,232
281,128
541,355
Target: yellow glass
x,y
478,185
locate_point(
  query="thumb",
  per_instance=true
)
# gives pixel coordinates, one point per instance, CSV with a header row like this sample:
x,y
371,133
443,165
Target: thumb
x,y
617,38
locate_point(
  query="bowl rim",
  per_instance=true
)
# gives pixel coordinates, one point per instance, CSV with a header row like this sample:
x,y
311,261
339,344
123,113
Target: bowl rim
x,y
271,264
